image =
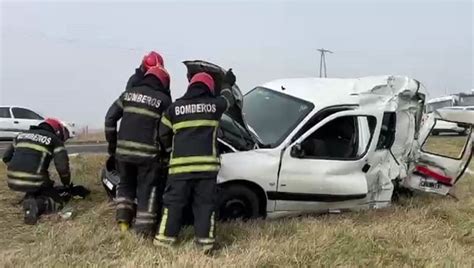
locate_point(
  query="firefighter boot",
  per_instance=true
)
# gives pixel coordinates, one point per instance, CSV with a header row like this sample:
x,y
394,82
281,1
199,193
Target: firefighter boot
x,y
168,243
31,210
208,246
123,226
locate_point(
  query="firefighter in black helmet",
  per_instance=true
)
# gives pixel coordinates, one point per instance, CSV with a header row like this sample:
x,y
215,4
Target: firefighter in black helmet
x,y
137,150
190,127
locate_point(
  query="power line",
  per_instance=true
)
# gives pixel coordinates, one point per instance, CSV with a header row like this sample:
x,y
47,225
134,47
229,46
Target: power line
x,y
322,62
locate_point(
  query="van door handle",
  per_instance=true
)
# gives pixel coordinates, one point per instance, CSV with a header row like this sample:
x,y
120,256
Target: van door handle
x,y
16,122
365,168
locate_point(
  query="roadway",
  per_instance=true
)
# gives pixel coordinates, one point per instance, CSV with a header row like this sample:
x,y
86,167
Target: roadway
x,y
83,148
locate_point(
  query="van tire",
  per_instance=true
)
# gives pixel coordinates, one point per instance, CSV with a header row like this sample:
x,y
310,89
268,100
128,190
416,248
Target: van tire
x,y
238,202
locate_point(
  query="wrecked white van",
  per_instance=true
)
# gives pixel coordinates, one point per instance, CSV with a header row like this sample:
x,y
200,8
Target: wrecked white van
x,y
312,145
302,145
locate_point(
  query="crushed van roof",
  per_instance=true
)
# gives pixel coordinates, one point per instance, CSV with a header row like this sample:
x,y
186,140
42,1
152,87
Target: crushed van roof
x,y
324,91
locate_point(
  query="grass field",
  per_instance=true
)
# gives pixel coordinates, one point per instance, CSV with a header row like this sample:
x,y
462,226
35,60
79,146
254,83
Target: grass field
x,y
93,136
420,231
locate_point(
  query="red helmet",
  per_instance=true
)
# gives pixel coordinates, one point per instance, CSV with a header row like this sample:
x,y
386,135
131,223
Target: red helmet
x,y
204,78
152,59
58,128
160,73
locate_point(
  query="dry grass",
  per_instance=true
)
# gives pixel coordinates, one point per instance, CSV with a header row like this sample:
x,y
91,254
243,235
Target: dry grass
x,y
95,136
451,146
419,231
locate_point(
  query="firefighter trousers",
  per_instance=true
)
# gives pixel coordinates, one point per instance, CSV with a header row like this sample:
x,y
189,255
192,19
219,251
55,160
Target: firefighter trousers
x,y
47,198
145,183
201,193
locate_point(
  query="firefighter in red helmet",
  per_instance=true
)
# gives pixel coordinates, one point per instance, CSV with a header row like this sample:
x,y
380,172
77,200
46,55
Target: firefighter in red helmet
x,y
151,59
189,127
135,147
28,160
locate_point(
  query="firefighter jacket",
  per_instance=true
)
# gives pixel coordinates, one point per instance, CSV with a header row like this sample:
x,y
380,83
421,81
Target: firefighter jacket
x,y
139,109
189,129
29,156
136,78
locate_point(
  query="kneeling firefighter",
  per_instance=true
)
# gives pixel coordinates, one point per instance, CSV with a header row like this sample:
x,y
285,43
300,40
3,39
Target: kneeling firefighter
x,y
138,153
190,127
28,160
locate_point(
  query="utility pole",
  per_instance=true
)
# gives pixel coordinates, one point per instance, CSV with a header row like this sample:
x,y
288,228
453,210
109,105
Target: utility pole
x,y
322,62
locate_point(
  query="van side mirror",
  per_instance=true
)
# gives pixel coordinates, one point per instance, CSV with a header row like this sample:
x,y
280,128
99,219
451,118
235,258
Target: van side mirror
x,y
297,151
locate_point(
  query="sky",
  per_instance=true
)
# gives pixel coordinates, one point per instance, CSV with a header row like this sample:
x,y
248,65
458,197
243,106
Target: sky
x,y
72,59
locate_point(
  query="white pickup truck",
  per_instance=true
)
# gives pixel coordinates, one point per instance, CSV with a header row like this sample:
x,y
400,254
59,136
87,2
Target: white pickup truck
x,y
301,145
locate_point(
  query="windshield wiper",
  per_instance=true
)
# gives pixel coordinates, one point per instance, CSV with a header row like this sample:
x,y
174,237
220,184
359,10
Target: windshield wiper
x,y
247,139
240,131
254,133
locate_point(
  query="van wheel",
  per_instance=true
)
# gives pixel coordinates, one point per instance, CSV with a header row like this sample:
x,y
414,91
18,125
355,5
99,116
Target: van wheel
x,y
435,133
238,202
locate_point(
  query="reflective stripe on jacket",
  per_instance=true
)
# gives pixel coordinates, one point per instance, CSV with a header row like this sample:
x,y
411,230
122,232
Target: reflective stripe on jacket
x,y
30,159
139,109
189,130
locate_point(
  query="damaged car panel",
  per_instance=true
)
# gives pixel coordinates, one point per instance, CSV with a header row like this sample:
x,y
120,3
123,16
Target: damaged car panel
x,y
315,168
437,171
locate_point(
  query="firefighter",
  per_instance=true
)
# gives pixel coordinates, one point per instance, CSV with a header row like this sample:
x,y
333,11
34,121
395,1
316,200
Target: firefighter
x,y
137,150
28,160
152,59
149,60
190,127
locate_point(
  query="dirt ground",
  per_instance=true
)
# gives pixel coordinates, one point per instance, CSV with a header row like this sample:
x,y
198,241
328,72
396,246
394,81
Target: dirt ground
x,y
423,230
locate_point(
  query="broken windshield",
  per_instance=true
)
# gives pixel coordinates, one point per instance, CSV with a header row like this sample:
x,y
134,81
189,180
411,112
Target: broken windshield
x,y
273,115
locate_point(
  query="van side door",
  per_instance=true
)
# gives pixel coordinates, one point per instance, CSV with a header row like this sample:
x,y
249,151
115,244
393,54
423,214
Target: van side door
x,y
327,166
439,162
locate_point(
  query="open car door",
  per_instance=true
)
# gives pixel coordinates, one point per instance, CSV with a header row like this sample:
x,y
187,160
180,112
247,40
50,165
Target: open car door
x,y
440,161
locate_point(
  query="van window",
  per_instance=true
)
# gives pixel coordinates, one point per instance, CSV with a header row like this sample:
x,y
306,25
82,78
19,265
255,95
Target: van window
x,y
5,112
343,138
319,116
451,144
387,132
21,113
273,115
